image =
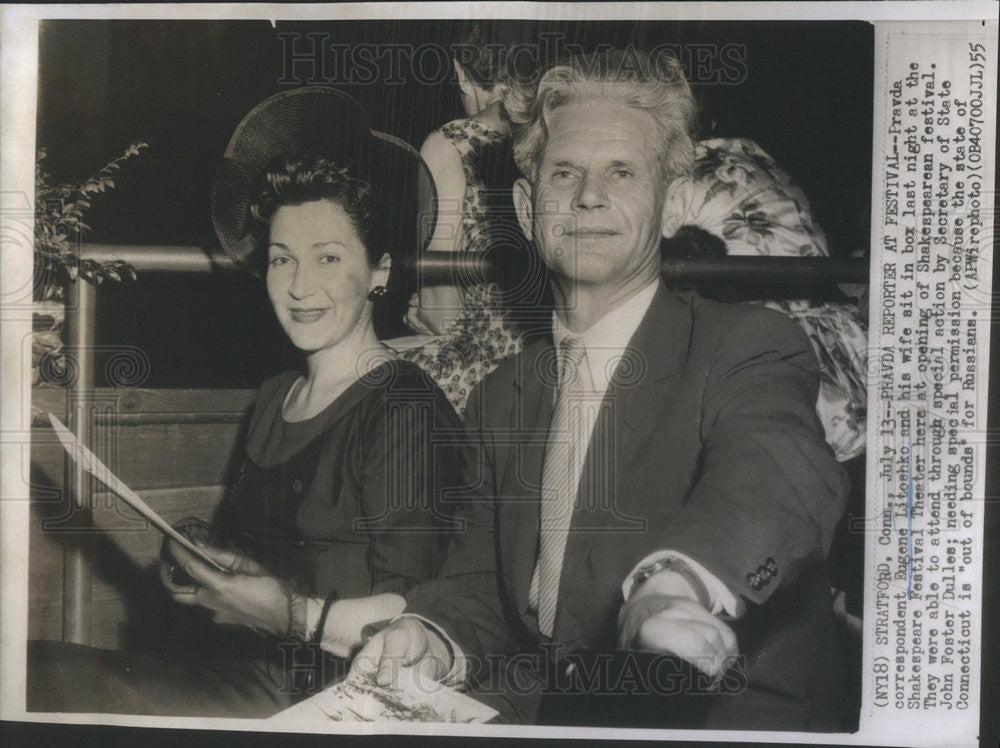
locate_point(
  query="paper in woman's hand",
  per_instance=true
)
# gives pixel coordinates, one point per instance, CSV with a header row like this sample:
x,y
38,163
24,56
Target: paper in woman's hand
x,y
89,462
412,699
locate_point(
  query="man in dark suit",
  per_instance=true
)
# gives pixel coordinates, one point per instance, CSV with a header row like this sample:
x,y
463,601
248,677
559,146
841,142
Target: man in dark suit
x,y
649,474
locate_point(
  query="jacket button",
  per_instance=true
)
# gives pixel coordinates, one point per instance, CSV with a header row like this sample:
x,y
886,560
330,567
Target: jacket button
x,y
771,566
753,580
296,486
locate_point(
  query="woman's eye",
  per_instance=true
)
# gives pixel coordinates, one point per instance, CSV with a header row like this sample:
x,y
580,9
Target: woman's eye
x,y
279,261
328,259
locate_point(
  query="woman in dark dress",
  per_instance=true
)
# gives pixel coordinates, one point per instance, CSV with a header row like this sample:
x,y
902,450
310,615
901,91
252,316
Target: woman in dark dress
x,y
338,507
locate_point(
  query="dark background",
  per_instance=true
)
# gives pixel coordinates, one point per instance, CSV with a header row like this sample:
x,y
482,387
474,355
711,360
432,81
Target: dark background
x,y
183,86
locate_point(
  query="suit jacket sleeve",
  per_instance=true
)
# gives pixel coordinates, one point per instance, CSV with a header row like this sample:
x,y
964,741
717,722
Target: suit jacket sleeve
x,y
465,599
768,486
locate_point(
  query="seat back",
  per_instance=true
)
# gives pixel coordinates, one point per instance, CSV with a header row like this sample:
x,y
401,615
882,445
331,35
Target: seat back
x,y
176,448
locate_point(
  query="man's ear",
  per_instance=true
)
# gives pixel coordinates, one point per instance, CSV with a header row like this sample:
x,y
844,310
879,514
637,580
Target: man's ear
x,y
523,206
380,276
676,204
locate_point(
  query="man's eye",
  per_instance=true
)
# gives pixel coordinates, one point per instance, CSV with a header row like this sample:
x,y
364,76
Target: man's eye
x,y
562,174
622,173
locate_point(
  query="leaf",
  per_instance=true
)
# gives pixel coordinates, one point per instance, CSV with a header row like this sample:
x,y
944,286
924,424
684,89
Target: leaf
x,y
51,309
59,225
47,339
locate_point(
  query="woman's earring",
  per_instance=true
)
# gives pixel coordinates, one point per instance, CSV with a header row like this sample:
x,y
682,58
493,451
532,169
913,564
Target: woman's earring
x,y
377,293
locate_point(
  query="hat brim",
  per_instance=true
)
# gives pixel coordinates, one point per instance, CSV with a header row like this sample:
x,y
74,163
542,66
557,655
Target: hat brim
x,y
321,121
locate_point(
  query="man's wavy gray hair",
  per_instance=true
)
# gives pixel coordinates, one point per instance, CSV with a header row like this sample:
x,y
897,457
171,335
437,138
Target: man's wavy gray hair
x,y
617,75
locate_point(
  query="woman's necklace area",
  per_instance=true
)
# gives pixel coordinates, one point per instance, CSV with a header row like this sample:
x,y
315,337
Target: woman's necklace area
x,y
294,408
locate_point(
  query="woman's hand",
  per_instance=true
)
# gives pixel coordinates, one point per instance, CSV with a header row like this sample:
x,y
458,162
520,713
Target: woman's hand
x,y
247,596
434,309
414,318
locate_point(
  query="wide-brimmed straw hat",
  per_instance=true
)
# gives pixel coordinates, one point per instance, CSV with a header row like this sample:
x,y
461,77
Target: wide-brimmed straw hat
x,y
323,122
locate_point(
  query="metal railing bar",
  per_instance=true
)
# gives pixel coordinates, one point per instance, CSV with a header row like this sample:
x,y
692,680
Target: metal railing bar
x,y
470,268
162,258
82,305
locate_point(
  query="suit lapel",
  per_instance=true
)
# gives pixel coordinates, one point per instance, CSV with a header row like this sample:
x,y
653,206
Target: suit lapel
x,y
639,393
655,357
521,478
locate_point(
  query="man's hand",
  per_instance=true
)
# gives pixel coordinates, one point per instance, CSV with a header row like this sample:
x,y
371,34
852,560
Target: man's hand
x,y
663,616
405,643
249,596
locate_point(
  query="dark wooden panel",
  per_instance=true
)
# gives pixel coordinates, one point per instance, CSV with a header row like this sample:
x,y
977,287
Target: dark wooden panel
x,y
152,401
123,547
136,537
175,447
175,450
166,455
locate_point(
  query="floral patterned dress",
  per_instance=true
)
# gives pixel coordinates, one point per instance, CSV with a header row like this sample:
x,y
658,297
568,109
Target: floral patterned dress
x,y
482,336
742,196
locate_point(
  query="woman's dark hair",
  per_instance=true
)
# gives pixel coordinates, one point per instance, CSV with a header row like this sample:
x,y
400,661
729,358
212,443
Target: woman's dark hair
x,y
695,242
483,56
303,179
293,181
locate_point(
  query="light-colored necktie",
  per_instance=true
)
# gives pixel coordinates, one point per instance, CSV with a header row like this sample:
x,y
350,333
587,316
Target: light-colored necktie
x,y
558,487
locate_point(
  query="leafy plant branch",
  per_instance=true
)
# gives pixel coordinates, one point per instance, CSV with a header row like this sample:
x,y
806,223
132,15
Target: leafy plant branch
x,y
59,229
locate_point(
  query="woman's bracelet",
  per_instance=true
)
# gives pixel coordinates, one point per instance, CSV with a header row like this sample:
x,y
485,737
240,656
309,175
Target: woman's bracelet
x,y
296,614
317,637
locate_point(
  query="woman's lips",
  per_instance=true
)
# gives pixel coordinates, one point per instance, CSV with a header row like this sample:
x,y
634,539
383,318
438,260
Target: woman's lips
x,y
304,316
